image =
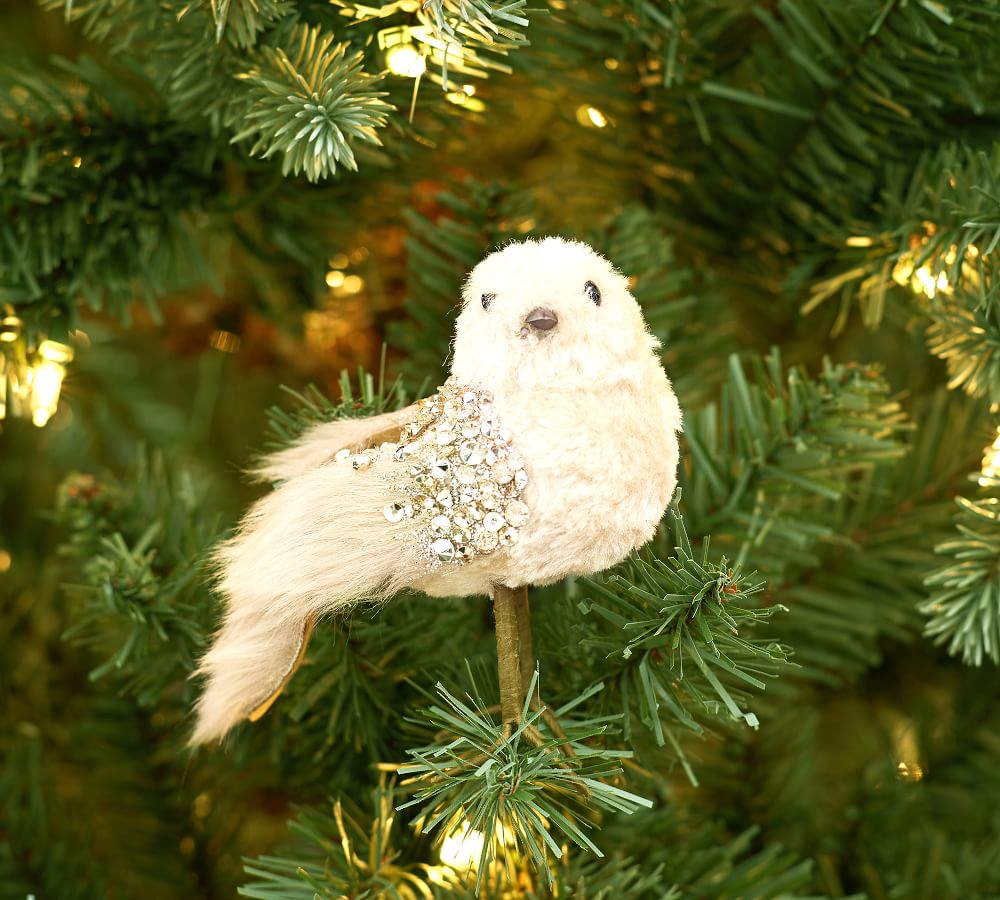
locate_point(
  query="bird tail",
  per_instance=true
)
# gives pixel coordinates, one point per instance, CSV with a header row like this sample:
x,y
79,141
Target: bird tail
x,y
316,544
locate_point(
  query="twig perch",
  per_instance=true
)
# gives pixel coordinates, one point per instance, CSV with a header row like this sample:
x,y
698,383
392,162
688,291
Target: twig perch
x,y
509,665
516,664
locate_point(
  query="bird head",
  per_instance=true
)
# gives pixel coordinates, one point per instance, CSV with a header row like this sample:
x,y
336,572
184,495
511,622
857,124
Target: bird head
x,y
550,313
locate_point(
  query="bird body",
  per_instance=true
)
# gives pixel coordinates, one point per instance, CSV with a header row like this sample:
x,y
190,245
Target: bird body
x,y
550,451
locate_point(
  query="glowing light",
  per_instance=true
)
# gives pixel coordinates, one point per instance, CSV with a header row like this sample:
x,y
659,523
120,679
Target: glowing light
x,y
466,99
5,561
591,117
910,771
77,162
525,225
335,278
611,64
46,378
10,328
405,60
359,254
927,282
339,261
225,341
353,284
463,848
991,462
860,241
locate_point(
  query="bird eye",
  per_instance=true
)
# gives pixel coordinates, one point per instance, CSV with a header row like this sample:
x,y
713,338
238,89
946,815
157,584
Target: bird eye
x,y
593,291
488,299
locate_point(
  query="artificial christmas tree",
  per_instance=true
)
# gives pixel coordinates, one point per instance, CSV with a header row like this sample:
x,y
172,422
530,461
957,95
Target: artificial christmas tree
x,y
790,692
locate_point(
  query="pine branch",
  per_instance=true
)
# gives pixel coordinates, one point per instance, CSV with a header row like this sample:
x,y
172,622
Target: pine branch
x,y
770,458
106,224
673,636
140,550
312,407
803,123
964,606
512,790
865,589
243,20
343,853
311,105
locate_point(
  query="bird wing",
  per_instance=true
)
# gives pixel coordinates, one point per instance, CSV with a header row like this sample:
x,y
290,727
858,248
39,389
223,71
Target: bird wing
x,y
350,523
319,444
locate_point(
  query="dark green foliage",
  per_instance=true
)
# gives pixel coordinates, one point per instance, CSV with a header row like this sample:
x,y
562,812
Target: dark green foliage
x,y
97,191
769,459
140,549
672,631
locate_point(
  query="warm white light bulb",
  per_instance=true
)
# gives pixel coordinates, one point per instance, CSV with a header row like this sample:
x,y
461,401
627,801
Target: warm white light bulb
x,y
462,848
46,378
405,59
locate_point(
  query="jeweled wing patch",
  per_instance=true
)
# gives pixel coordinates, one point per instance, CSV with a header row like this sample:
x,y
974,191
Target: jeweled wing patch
x,y
458,473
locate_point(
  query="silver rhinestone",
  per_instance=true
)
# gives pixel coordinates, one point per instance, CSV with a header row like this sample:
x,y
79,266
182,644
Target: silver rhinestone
x,y
503,436
453,409
445,435
444,497
486,428
469,397
394,512
467,494
413,428
440,524
490,458
343,455
516,512
508,536
475,512
515,460
501,473
520,479
443,549
440,468
361,461
486,408
469,453
466,475
462,522
403,451
493,521
490,502
424,481
468,431
428,503
464,551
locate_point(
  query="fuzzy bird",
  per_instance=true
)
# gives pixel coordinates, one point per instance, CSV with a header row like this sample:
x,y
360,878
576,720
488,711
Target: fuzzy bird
x,y
550,451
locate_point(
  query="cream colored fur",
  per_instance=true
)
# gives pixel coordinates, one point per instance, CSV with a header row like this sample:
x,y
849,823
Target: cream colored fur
x,y
590,409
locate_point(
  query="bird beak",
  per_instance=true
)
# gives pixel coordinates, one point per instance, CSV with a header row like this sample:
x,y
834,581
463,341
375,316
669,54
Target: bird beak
x,y
541,319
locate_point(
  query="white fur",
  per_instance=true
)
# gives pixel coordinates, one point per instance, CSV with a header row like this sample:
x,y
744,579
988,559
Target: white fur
x,y
590,409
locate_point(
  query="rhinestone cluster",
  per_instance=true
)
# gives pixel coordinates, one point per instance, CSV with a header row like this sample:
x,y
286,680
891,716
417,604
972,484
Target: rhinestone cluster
x,y
462,476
